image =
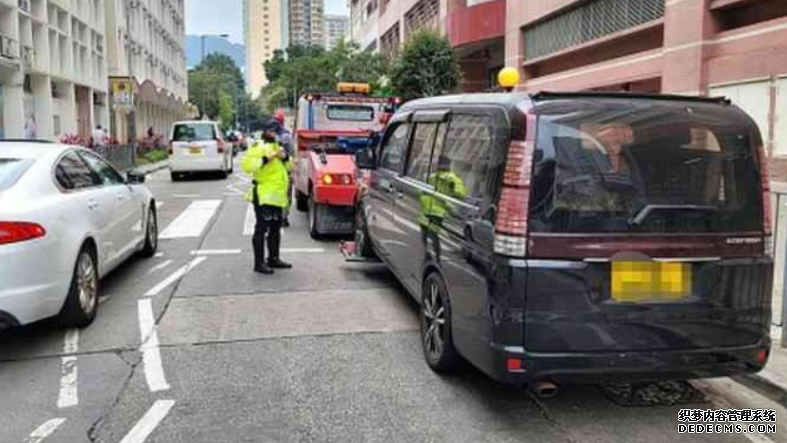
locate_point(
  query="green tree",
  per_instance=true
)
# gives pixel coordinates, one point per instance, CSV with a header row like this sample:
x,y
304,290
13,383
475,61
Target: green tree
x,y
226,111
426,67
304,69
215,77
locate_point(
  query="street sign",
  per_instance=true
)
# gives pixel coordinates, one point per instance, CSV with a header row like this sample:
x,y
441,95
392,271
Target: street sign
x,y
121,89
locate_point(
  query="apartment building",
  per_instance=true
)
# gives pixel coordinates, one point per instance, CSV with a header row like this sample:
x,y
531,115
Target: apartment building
x,y
146,42
363,23
52,68
307,19
336,28
265,29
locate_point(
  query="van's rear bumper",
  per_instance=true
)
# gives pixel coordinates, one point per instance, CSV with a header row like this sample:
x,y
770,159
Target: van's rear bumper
x,y
593,367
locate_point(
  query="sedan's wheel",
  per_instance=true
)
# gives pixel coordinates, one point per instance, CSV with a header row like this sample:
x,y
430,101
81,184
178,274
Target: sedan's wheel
x,y
151,234
82,300
436,338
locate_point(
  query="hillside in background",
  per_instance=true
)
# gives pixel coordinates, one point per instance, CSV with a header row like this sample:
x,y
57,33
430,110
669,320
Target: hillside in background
x,y
214,44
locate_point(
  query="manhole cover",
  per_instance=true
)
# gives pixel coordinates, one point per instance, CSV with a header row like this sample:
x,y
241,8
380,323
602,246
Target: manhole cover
x,y
653,394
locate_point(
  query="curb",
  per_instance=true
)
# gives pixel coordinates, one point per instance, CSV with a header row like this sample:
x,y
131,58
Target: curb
x,y
155,167
764,387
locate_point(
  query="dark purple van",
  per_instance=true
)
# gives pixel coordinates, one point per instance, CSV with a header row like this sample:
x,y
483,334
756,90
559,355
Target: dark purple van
x,y
577,236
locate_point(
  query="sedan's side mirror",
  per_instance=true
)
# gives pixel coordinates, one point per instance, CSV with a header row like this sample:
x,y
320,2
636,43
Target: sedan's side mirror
x,y
364,158
135,178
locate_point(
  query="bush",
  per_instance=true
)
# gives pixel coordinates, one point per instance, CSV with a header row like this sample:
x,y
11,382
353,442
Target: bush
x,y
156,155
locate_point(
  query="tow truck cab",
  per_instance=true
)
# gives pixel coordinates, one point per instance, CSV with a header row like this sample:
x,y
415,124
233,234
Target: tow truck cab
x,y
329,129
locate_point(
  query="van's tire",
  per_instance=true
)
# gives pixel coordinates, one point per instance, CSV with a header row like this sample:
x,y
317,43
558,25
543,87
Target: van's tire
x,y
363,243
79,309
175,176
301,201
223,174
314,225
151,233
435,319
232,165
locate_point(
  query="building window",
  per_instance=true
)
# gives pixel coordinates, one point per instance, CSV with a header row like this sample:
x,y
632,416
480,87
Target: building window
x,y
588,21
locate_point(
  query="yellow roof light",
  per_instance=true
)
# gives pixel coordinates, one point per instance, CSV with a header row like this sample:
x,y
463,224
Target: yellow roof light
x,y
360,88
508,78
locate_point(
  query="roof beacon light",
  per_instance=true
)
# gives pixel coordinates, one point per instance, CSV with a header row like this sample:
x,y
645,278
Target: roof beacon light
x,y
359,88
508,78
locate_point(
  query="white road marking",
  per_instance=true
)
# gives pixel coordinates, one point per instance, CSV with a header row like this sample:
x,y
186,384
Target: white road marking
x,y
159,204
147,424
758,438
161,265
69,388
45,430
303,250
203,252
186,195
193,220
172,278
158,254
103,299
235,190
151,357
249,221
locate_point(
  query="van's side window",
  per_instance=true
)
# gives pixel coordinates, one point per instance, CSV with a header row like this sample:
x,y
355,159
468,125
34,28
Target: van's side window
x,y
395,146
421,151
466,154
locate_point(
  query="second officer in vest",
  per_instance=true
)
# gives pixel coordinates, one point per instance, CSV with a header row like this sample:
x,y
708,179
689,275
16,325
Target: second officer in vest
x,y
267,163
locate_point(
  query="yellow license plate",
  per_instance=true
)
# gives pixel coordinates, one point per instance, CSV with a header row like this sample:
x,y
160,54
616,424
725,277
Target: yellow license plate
x,y
650,281
195,150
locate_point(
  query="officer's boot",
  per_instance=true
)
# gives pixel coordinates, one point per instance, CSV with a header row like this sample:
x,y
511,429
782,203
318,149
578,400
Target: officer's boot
x,y
258,242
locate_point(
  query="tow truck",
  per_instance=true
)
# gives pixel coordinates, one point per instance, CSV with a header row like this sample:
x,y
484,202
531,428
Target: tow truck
x,y
329,129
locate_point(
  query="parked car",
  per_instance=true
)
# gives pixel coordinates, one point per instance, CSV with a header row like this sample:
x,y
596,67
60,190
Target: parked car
x,y
577,236
199,146
67,218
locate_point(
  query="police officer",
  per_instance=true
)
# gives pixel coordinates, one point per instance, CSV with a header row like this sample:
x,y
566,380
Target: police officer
x,y
434,209
267,163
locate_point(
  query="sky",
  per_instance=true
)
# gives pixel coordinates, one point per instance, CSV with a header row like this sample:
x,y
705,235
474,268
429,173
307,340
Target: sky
x,y
225,16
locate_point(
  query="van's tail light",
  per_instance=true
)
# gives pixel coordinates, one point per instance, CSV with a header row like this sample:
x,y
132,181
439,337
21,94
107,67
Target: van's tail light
x,y
221,145
15,232
513,208
765,185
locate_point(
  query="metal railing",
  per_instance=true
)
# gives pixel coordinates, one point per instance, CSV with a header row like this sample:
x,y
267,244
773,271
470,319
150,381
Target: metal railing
x,y
779,207
121,156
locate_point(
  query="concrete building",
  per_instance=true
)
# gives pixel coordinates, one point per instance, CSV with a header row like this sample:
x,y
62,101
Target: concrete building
x,y
363,23
474,27
52,68
265,29
735,48
336,27
155,43
307,18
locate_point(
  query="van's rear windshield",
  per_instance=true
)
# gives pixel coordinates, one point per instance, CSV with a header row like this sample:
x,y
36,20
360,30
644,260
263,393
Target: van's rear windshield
x,y
189,132
646,166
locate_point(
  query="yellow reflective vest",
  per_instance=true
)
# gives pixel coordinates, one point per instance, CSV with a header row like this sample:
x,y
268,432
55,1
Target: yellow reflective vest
x,y
272,178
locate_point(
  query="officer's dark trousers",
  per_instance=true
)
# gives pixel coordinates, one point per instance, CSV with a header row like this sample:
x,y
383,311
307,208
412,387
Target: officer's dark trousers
x,y
267,231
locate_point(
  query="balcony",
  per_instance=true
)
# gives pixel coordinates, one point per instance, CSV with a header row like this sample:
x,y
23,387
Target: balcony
x,y
477,23
28,57
9,48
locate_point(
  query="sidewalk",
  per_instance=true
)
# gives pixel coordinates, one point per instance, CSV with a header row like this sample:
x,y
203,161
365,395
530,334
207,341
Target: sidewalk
x,y
772,380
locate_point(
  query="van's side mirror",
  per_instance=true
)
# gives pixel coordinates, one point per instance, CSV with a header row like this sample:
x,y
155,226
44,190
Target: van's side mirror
x,y
135,178
364,158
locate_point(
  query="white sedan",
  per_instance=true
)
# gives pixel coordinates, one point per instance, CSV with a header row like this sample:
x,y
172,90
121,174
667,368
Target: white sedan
x,y
67,218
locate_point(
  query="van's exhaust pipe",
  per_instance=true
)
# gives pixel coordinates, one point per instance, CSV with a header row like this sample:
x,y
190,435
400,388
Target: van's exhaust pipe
x,y
544,389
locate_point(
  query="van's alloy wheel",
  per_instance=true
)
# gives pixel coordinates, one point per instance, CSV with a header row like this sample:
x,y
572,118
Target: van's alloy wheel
x,y
436,335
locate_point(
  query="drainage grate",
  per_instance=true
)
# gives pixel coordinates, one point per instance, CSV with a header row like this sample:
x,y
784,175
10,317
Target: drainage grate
x,y
653,394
